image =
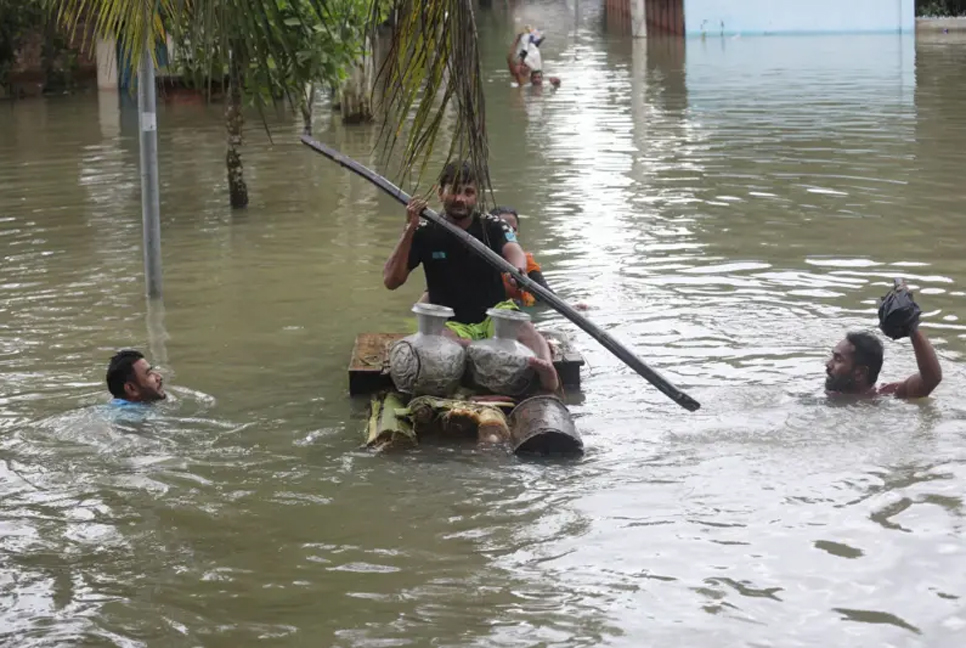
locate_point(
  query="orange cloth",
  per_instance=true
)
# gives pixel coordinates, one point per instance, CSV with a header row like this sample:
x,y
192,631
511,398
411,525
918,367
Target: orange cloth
x,y
513,292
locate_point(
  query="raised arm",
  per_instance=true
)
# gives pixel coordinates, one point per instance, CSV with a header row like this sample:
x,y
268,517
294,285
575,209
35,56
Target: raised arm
x,y
930,374
396,270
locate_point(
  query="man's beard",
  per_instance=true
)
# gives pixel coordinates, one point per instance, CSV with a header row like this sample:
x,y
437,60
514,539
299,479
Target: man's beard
x,y
841,384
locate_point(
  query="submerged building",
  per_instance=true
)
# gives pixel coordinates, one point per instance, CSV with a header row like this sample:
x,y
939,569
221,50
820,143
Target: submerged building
x,y
709,18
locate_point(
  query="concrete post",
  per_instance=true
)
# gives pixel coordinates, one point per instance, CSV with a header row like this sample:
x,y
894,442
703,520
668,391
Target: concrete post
x,y
157,333
106,56
638,19
109,113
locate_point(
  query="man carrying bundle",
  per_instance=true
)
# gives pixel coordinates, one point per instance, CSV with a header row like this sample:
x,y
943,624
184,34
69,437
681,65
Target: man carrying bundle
x,y
458,278
854,366
524,59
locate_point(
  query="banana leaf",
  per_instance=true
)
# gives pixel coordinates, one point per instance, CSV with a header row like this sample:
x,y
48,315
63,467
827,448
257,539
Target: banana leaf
x,y
386,430
431,416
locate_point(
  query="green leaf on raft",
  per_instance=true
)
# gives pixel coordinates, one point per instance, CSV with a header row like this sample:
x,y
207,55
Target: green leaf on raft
x,y
385,429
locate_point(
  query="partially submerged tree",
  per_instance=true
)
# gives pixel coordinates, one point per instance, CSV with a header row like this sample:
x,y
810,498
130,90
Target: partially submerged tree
x,y
277,49
306,52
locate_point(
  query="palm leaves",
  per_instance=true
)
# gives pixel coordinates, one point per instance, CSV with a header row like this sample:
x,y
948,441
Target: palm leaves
x,y
433,67
432,70
131,22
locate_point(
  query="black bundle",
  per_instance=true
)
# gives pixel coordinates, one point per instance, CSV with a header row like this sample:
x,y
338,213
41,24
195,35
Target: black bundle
x,y
898,313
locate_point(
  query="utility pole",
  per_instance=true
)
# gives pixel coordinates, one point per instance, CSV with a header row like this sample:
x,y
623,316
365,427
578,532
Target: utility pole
x,y
150,195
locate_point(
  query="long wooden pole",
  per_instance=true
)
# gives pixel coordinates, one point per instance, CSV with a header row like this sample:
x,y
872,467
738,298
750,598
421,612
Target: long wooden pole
x,y
503,265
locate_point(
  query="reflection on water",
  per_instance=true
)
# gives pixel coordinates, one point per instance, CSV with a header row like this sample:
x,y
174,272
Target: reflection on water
x,y
728,208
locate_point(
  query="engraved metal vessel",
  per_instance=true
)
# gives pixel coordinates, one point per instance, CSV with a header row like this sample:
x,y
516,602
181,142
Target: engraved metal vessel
x,y
427,363
501,364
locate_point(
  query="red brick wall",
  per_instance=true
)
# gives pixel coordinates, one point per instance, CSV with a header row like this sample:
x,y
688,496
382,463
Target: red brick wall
x,y
665,16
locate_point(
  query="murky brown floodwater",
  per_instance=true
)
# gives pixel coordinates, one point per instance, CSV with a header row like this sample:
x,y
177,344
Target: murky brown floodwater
x,y
729,211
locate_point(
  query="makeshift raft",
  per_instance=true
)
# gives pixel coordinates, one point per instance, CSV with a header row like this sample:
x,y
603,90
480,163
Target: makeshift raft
x,y
369,365
539,425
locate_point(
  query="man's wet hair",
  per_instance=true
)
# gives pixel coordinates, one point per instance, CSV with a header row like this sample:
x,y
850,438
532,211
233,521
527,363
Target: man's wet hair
x,y
499,211
120,371
868,352
458,174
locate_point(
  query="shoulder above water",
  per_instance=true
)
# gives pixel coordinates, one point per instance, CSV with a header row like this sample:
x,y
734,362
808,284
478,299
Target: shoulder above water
x,y
120,402
495,221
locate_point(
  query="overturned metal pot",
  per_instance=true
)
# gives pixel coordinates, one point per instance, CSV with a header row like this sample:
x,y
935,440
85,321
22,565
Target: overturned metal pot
x,y
542,425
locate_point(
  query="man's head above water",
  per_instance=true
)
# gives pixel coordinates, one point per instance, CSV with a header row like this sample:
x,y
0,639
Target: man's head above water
x,y
458,189
508,215
855,364
131,378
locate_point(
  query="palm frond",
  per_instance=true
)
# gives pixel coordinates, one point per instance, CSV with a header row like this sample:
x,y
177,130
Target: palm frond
x,y
432,67
131,22
431,85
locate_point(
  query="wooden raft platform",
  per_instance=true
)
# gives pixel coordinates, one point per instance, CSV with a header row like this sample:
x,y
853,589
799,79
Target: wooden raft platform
x,y
369,365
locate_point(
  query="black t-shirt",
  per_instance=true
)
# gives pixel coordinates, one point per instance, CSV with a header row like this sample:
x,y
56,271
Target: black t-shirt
x,y
455,276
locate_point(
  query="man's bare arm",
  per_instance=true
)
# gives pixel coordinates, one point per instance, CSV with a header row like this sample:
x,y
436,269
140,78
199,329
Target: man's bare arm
x,y
930,374
513,253
396,270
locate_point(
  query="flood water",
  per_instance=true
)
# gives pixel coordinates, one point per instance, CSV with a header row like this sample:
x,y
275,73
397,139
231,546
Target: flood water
x,y
729,208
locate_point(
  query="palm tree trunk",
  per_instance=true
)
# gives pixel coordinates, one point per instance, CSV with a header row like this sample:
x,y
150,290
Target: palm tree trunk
x,y
306,108
235,122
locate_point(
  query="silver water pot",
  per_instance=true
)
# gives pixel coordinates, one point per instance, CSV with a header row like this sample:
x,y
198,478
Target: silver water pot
x,y
501,364
427,363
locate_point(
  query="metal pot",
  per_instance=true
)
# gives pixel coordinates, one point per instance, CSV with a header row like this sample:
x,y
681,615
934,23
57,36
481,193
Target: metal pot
x,y
543,425
427,363
501,364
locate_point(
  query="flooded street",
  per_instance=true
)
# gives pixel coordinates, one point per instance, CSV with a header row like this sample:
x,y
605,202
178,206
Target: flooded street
x,y
728,208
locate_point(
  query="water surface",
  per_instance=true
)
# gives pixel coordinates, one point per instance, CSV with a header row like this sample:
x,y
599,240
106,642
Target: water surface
x,y
729,208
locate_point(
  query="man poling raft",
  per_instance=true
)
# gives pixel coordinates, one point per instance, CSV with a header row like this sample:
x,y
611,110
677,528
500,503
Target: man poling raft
x,y
499,263
458,279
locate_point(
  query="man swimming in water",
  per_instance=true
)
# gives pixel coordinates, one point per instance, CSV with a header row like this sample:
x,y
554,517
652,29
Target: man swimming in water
x,y
131,379
856,361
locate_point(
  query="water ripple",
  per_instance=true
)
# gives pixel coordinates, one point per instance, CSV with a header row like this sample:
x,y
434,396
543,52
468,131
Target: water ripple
x,y
726,208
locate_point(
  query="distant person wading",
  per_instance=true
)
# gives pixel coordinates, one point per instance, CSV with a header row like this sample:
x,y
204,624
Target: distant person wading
x,y
525,61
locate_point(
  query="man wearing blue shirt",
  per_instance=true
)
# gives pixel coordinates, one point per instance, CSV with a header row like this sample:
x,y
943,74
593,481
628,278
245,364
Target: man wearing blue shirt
x,y
131,379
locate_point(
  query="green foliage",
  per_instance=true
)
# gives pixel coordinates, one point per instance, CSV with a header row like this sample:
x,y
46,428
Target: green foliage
x,y
18,20
322,52
432,79
431,76
940,8
302,46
